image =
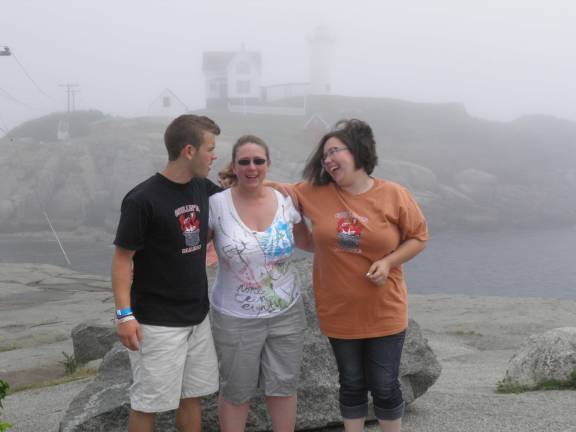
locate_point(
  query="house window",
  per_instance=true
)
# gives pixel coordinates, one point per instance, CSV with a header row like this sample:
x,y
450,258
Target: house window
x,y
243,87
166,102
214,88
243,68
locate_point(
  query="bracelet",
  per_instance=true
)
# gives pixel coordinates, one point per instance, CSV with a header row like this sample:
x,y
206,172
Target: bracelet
x,y
123,312
125,319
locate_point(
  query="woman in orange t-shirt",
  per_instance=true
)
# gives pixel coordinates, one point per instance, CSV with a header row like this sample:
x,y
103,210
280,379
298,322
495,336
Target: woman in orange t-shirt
x,y
363,229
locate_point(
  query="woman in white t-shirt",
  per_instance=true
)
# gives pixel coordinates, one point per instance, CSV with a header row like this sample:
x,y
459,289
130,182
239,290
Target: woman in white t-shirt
x,y
257,311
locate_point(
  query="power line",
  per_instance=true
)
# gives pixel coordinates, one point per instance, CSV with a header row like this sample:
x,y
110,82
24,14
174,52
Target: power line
x,y
8,96
28,75
5,51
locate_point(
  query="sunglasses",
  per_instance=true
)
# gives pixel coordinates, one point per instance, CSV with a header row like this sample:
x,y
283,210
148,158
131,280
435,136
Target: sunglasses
x,y
255,161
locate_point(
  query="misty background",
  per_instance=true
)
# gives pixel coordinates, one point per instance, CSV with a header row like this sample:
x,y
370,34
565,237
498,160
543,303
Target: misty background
x,y
472,105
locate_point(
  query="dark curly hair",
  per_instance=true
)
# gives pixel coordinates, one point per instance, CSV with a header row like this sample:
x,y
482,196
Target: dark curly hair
x,y
357,136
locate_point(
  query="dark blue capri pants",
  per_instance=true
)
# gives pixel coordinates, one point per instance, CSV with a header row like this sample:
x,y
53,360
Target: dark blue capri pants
x,y
370,365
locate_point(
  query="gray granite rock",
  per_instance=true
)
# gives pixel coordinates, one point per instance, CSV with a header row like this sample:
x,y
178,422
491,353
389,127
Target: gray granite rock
x,y
544,357
103,405
92,340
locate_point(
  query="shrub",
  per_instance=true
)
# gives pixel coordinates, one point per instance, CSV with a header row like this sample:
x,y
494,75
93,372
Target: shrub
x,y
70,363
506,386
4,386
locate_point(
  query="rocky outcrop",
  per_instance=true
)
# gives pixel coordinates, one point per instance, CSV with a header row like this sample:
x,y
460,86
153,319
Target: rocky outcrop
x,y
41,304
92,340
79,181
410,175
464,172
104,406
479,185
550,356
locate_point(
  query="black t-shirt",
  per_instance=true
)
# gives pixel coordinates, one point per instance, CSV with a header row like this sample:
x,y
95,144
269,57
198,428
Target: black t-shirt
x,y
166,223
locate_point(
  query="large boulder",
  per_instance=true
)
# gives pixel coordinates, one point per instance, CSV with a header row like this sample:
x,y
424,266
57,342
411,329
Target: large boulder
x,y
104,406
476,184
408,174
92,340
544,357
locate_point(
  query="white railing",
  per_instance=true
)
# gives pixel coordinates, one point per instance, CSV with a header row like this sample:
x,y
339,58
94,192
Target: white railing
x,y
272,110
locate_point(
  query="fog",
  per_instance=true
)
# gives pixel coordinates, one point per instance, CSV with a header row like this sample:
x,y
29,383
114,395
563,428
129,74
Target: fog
x,y
501,59
473,108
448,81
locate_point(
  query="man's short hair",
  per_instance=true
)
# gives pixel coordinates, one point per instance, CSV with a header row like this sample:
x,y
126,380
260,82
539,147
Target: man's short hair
x,y
187,129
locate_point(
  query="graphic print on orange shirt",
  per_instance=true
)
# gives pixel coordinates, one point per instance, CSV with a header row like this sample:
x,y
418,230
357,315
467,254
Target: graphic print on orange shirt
x,y
348,231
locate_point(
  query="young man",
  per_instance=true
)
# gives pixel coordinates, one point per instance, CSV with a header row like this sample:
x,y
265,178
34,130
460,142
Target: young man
x,y
159,281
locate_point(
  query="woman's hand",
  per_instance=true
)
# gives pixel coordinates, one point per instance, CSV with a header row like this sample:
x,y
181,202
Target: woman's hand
x,y
378,272
284,188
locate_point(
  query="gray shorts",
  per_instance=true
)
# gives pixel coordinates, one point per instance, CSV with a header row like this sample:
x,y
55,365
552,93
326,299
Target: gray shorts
x,y
259,353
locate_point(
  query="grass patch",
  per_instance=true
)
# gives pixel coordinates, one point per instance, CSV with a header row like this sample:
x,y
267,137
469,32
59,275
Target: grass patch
x,y
11,347
506,386
70,363
79,374
4,387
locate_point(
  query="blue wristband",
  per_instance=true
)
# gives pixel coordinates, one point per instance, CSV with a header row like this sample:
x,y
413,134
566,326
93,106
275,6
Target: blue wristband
x,y
120,313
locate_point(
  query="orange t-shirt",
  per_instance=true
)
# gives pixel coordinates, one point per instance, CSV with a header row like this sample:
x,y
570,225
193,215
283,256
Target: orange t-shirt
x,y
351,232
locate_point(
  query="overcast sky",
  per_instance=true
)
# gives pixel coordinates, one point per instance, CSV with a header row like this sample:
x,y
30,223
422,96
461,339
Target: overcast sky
x,y
500,58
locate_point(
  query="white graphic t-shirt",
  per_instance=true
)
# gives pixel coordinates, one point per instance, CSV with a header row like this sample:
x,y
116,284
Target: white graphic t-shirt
x,y
255,273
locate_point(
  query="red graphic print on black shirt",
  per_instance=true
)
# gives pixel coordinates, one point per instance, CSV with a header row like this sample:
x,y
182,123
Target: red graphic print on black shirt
x,y
189,221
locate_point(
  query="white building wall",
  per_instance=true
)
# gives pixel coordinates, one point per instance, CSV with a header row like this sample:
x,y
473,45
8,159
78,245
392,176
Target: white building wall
x,y
167,105
277,92
259,109
244,78
320,47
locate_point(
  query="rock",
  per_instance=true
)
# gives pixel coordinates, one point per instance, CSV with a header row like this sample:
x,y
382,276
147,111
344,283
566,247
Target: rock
x,y
476,184
474,177
410,175
104,400
419,367
103,405
547,356
92,340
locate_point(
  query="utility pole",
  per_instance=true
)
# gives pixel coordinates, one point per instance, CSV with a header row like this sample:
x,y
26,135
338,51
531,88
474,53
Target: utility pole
x,y
70,96
73,106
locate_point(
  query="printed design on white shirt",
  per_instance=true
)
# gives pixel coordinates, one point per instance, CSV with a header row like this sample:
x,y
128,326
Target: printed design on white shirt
x,y
255,270
256,292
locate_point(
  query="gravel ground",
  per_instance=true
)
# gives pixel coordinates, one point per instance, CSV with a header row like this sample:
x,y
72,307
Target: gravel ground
x,y
473,337
40,409
462,400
